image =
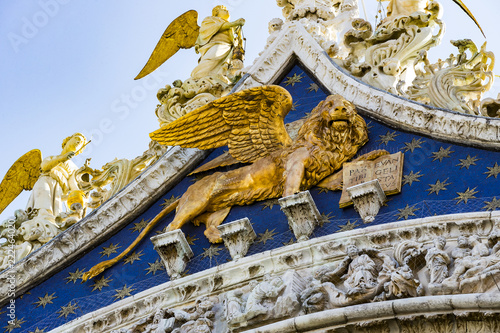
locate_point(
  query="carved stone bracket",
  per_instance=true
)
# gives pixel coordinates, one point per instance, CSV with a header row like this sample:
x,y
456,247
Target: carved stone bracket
x,y
368,198
174,250
238,236
302,214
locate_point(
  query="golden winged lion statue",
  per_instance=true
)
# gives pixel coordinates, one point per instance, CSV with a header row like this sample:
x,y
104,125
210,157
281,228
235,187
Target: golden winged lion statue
x,y
218,41
251,124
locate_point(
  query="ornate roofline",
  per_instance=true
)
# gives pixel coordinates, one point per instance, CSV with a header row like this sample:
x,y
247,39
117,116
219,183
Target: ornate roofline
x,y
95,228
305,255
294,42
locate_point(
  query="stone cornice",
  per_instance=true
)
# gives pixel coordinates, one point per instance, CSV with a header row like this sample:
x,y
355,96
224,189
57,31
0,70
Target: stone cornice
x,y
298,256
295,42
101,223
377,314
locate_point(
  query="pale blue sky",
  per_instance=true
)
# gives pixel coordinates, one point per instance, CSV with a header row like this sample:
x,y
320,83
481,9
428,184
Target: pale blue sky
x,y
70,68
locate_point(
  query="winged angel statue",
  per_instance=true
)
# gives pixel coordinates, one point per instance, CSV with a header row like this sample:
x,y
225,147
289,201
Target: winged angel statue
x,y
50,180
251,124
215,41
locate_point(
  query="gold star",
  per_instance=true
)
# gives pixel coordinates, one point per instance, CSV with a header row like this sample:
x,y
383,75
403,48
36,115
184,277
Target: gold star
x,y
162,231
406,212
313,87
384,139
348,226
412,177
325,218
13,324
492,205
101,283
73,277
38,330
270,203
167,202
268,235
139,226
411,146
290,242
322,190
211,252
467,162
442,153
465,196
295,105
439,186
191,239
109,250
494,171
369,125
133,257
291,80
122,293
47,299
26,293
67,310
154,267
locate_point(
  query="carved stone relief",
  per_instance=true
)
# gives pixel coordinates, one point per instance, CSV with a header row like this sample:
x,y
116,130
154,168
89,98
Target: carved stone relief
x,y
457,83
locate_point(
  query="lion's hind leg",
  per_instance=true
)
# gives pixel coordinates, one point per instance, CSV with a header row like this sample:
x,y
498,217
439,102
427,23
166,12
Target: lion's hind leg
x,y
212,221
193,202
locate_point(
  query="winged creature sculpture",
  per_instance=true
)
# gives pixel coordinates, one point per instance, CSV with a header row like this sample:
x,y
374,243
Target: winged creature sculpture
x,y
49,180
251,124
215,40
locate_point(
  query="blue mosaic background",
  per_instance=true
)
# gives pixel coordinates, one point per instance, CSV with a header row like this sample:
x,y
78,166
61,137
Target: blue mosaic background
x,y
439,178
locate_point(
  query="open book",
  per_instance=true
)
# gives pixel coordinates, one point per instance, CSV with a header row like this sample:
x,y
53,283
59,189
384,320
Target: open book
x,y
388,169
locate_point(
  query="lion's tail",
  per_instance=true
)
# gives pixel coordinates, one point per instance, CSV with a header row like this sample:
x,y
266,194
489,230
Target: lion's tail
x,y
101,267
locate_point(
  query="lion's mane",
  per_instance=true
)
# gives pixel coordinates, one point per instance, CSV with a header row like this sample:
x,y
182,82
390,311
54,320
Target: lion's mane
x,y
328,149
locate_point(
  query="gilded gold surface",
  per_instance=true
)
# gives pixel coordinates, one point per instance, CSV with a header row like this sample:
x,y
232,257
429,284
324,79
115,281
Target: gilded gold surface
x,y
331,136
466,10
181,33
250,122
22,175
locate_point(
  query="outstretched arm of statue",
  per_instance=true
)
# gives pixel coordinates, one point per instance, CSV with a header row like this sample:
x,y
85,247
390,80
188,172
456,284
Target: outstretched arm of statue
x,y
228,25
51,162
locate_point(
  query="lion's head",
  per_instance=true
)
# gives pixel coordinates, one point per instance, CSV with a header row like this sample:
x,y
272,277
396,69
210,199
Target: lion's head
x,y
333,134
335,124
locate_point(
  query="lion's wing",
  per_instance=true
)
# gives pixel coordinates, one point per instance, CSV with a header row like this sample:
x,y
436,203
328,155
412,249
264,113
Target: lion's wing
x,y
181,33
249,122
22,175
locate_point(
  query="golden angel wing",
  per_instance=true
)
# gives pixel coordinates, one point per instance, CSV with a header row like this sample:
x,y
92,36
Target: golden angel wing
x,y
249,122
181,33
22,175
466,10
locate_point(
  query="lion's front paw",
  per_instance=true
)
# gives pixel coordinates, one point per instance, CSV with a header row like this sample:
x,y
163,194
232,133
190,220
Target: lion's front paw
x,y
213,235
